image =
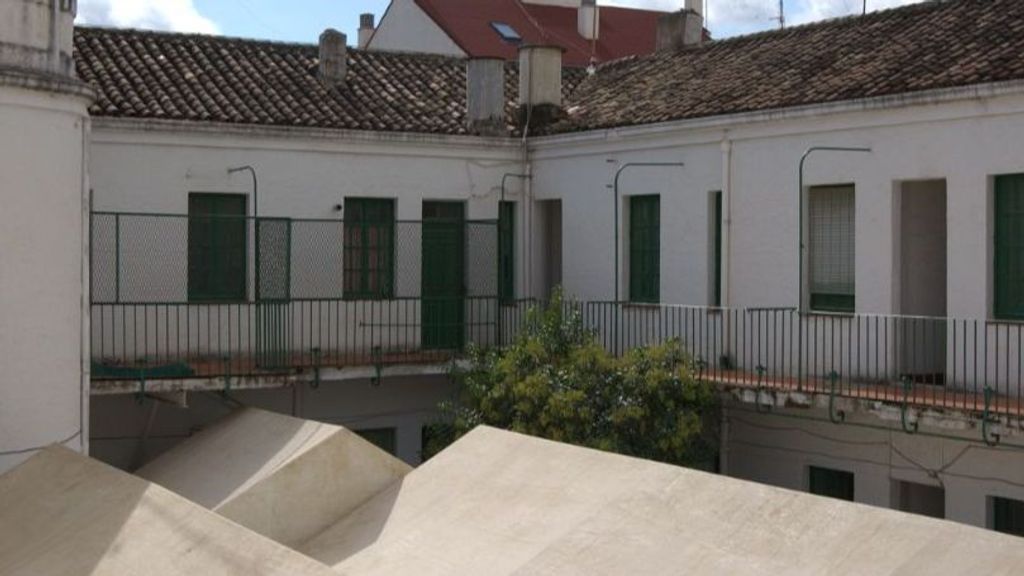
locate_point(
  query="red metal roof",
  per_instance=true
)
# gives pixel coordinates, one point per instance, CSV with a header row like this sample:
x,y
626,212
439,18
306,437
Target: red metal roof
x,y
623,31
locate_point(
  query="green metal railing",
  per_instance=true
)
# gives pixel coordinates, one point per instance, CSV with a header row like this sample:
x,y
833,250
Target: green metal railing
x,y
191,296
145,326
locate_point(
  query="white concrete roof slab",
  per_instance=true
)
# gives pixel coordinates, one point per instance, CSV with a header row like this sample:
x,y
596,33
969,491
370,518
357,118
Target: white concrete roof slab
x,y
500,503
283,477
63,513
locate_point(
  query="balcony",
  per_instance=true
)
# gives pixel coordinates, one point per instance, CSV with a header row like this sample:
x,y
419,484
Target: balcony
x,y
427,289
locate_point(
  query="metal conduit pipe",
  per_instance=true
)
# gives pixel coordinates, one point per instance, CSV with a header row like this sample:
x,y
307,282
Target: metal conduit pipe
x,y
800,204
618,175
800,235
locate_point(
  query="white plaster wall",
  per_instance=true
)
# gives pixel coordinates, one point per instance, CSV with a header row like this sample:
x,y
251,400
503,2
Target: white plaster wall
x,y
41,271
778,450
407,28
964,142
137,168
127,434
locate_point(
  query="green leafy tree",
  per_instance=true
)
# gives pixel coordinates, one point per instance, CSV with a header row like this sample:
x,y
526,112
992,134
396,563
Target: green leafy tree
x,y
557,382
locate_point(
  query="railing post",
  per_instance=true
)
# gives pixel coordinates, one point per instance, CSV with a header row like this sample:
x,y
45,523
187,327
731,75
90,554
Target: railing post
x,y
761,371
907,427
836,417
117,258
991,439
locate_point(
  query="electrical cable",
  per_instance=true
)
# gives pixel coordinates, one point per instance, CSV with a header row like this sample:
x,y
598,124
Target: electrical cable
x,y
37,448
936,473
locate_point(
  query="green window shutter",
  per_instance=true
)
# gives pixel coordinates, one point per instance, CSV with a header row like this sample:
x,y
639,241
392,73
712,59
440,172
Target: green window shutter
x,y
369,252
644,248
217,247
716,254
1009,247
383,438
506,251
832,251
1007,516
831,483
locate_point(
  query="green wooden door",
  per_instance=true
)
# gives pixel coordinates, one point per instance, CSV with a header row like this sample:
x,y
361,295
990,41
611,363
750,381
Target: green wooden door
x,y
443,275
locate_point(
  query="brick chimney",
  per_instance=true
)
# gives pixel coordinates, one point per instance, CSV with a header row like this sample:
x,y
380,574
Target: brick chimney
x,y
683,28
589,19
366,28
333,58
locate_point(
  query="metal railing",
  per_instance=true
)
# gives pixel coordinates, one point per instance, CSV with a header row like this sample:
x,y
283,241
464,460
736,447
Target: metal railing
x,y
909,361
177,296
145,325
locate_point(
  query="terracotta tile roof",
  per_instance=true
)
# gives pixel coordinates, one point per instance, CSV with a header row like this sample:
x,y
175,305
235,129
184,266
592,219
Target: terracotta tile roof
x,y
159,75
920,47
623,31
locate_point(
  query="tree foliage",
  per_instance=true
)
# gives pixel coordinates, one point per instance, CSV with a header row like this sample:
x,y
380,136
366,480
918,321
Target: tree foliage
x,y
557,382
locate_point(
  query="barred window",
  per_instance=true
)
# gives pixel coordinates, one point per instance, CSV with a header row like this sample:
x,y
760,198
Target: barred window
x,y
832,251
369,248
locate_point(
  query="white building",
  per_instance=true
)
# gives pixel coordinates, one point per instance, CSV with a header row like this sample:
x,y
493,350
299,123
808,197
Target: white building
x,y
43,244
861,319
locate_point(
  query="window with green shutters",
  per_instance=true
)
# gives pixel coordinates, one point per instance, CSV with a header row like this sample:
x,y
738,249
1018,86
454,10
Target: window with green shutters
x,y
1009,247
644,248
369,248
506,251
716,248
1007,515
217,247
831,252
831,483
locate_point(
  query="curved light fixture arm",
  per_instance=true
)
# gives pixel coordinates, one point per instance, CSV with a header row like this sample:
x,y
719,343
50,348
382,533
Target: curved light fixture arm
x,y
618,176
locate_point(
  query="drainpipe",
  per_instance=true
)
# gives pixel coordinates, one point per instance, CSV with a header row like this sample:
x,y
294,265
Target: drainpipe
x,y
723,448
85,340
726,220
800,252
255,218
618,175
526,178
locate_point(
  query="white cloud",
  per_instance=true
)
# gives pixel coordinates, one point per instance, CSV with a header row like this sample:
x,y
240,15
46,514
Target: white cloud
x,y
173,15
743,15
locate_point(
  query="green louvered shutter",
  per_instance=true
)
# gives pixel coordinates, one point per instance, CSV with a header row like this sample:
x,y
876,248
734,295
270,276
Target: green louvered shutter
x,y
506,251
1009,247
644,248
1007,516
831,483
217,247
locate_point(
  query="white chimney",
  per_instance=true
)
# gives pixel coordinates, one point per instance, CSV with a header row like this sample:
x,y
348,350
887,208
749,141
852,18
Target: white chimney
x,y
589,19
333,58
485,96
37,35
683,28
540,84
366,29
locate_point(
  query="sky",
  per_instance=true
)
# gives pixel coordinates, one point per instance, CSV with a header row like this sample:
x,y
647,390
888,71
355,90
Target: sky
x,y
304,20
